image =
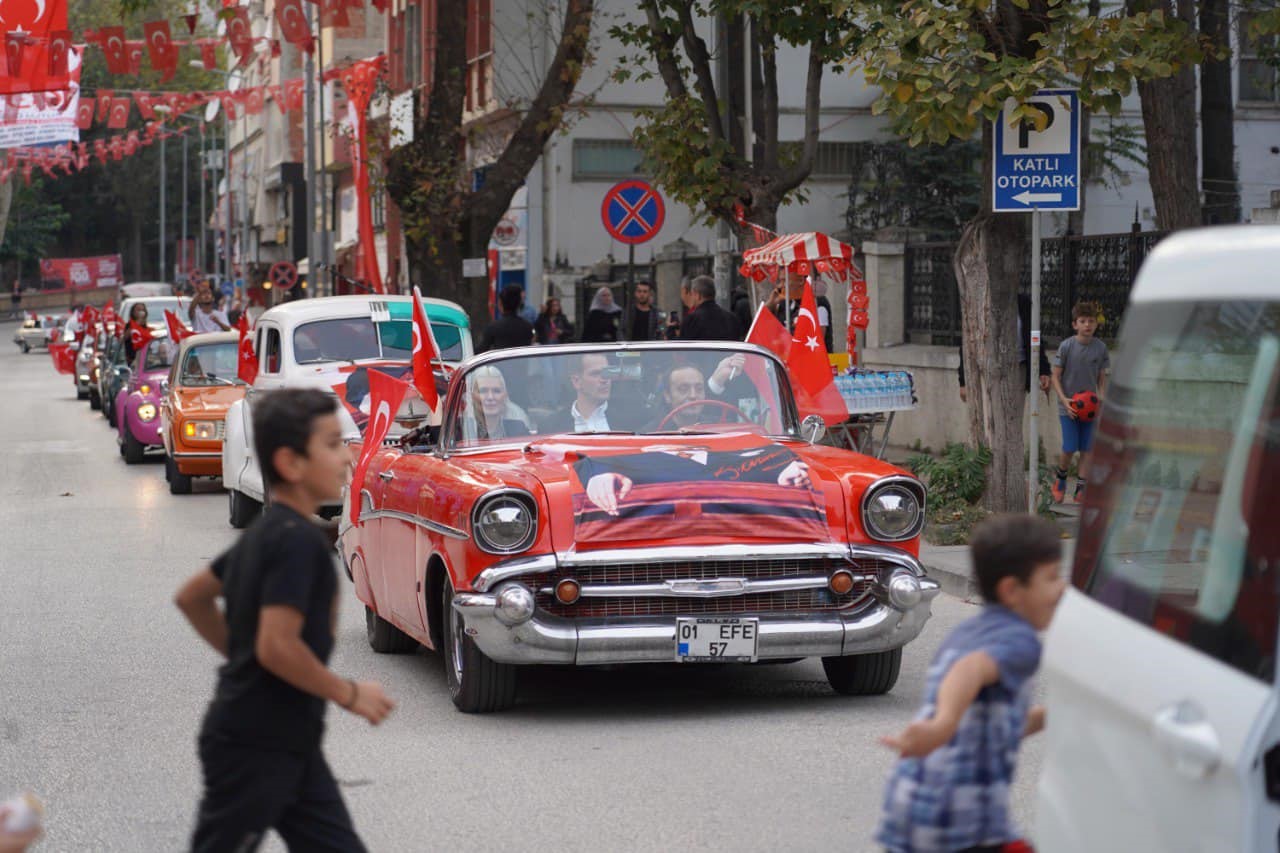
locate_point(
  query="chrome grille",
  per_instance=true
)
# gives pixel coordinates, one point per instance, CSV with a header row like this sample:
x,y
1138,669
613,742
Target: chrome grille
x,y
789,601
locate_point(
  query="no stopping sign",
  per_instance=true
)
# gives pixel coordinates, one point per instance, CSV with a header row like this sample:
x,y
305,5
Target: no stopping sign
x,y
284,275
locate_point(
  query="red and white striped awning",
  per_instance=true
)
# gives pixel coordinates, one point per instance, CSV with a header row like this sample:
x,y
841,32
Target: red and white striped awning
x,y
803,254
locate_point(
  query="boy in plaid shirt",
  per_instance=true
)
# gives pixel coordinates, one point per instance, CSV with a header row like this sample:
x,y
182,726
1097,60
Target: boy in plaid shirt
x,y
950,790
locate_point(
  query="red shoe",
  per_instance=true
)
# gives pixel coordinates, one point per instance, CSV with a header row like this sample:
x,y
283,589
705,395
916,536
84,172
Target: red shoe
x,y
1078,497
1058,490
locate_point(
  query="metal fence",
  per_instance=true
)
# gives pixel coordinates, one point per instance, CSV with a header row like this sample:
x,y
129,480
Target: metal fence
x,y
1097,267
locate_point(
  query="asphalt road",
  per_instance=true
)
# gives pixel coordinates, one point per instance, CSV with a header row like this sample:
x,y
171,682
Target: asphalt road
x,y
102,686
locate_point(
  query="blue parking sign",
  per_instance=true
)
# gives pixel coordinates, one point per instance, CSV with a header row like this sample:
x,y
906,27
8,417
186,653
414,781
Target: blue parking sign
x,y
1038,169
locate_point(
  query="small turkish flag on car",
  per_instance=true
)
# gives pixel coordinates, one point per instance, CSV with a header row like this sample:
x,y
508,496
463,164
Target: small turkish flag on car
x,y
810,367
425,351
386,393
247,360
177,331
138,335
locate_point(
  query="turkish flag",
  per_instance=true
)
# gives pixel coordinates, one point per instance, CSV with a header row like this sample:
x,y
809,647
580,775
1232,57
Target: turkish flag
x,y
59,64
138,335
810,367
135,49
333,13
293,23
191,23
164,53
118,117
247,360
209,53
84,114
385,396
177,331
239,34
253,100
145,108
294,94
28,55
425,351
15,46
114,49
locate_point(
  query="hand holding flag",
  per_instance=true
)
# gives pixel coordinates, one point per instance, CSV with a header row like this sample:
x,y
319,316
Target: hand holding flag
x,y
177,331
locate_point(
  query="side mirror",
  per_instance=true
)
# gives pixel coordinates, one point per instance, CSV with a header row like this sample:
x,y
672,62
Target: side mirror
x,y
164,386
813,428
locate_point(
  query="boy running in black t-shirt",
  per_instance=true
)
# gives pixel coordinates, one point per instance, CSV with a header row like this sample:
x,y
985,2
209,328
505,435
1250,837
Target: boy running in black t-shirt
x,y
260,741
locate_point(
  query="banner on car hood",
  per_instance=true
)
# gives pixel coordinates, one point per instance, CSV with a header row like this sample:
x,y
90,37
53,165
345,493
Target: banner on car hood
x,y
670,492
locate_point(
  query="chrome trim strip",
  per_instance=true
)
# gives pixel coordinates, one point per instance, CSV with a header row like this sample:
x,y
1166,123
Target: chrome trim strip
x,y
425,523
910,482
889,554
704,588
682,553
507,569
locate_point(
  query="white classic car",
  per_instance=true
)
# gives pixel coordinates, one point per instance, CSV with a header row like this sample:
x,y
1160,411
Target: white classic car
x,y
35,332
330,343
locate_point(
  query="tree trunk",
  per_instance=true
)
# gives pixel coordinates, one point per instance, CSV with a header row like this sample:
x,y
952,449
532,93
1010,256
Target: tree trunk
x,y
1169,122
988,266
1217,120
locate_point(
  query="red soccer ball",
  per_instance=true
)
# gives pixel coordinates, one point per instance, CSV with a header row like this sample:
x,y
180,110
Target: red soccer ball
x,y
1086,405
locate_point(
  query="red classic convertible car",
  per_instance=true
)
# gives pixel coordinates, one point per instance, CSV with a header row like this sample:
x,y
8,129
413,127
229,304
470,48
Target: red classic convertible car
x,y
634,503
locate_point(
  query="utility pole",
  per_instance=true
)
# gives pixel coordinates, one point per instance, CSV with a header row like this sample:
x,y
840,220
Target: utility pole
x,y
226,171
183,251
162,206
309,117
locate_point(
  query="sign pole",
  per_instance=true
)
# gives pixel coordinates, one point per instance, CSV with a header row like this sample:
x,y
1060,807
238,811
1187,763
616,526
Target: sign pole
x,y
631,274
1033,369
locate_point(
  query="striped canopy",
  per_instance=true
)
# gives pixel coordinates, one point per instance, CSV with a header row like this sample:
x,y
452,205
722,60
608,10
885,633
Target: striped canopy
x,y
803,254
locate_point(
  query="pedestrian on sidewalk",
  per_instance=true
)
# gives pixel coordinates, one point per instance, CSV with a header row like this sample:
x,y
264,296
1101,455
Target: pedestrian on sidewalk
x,y
15,300
259,744
1082,364
950,789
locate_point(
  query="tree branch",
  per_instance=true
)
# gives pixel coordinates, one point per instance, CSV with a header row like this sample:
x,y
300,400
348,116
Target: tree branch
x,y
769,102
696,48
794,176
541,120
664,50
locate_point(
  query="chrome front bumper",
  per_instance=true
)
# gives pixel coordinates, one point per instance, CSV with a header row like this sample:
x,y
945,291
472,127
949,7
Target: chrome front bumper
x,y
878,625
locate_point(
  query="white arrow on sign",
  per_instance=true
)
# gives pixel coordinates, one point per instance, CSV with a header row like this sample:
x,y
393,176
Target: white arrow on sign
x,y
1028,197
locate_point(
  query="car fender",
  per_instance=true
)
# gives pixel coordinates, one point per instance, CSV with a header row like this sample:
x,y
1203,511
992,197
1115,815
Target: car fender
x,y
239,468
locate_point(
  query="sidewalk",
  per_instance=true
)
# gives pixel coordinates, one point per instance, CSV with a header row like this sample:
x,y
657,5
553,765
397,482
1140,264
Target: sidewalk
x,y
949,564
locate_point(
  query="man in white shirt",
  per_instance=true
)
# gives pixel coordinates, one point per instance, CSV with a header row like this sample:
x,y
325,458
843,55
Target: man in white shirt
x,y
205,316
592,379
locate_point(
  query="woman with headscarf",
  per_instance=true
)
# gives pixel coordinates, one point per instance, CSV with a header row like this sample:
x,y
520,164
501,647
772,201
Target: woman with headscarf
x,y
604,320
496,416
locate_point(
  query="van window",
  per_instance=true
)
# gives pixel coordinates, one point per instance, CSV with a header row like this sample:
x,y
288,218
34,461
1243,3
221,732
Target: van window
x,y
1181,533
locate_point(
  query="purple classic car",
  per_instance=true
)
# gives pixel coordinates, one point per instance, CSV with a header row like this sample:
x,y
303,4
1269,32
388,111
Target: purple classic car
x,y
138,402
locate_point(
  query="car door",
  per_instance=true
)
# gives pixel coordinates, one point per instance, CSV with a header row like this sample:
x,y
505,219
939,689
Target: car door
x,y
399,482
1160,664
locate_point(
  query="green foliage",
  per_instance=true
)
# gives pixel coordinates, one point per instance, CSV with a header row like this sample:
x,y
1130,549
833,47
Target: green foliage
x,y
936,188
33,226
958,476
944,67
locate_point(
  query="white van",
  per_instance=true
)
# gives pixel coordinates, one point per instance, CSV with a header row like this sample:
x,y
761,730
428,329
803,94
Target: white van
x,y
1160,665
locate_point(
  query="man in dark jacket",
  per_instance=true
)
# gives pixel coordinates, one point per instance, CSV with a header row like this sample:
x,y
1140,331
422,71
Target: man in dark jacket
x,y
707,321
640,320
743,311
509,330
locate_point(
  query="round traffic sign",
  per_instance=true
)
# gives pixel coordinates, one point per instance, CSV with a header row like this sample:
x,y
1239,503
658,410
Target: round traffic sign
x,y
284,275
633,212
506,232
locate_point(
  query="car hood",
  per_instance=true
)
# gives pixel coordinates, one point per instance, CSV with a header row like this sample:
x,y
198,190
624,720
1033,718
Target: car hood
x,y
731,487
206,401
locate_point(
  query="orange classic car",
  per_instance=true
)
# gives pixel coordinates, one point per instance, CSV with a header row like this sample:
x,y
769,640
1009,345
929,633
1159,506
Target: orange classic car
x,y
634,503
202,385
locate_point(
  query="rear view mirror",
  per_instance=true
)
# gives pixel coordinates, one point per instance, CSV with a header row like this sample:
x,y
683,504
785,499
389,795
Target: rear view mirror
x,y
812,428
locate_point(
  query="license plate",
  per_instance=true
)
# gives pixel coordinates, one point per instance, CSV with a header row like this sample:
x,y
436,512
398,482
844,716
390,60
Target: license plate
x,y
709,638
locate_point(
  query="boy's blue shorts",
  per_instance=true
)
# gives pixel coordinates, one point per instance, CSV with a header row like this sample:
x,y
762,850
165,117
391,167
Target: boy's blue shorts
x,y
1076,435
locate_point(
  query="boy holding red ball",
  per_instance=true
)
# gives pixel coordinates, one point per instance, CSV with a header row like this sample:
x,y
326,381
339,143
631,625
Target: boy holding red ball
x,y
1082,364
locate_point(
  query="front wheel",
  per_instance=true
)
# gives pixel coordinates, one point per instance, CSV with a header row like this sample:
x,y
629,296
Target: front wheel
x,y
95,400
26,347
863,675
477,684
133,449
179,483
385,638
244,509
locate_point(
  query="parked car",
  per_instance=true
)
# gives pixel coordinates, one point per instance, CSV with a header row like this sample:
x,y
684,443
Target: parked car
x,y
329,343
201,386
113,374
36,332
700,523
1160,664
138,402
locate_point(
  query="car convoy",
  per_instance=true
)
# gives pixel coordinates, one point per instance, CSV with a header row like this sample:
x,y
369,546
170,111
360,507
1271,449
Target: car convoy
x,y
703,523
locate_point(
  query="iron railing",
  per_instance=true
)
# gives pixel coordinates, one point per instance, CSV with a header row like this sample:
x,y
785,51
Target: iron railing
x,y
1098,267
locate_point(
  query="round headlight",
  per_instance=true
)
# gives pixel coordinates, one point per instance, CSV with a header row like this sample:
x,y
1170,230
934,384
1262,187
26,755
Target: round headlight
x,y
505,523
894,511
147,412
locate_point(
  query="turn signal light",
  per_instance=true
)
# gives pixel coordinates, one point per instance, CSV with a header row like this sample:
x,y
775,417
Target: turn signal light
x,y
841,582
568,591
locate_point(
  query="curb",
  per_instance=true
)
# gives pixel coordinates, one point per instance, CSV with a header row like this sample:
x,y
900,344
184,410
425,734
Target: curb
x,y
954,583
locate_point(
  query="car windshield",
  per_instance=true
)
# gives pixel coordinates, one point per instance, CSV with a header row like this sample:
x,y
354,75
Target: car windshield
x,y
660,390
359,338
210,364
159,354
